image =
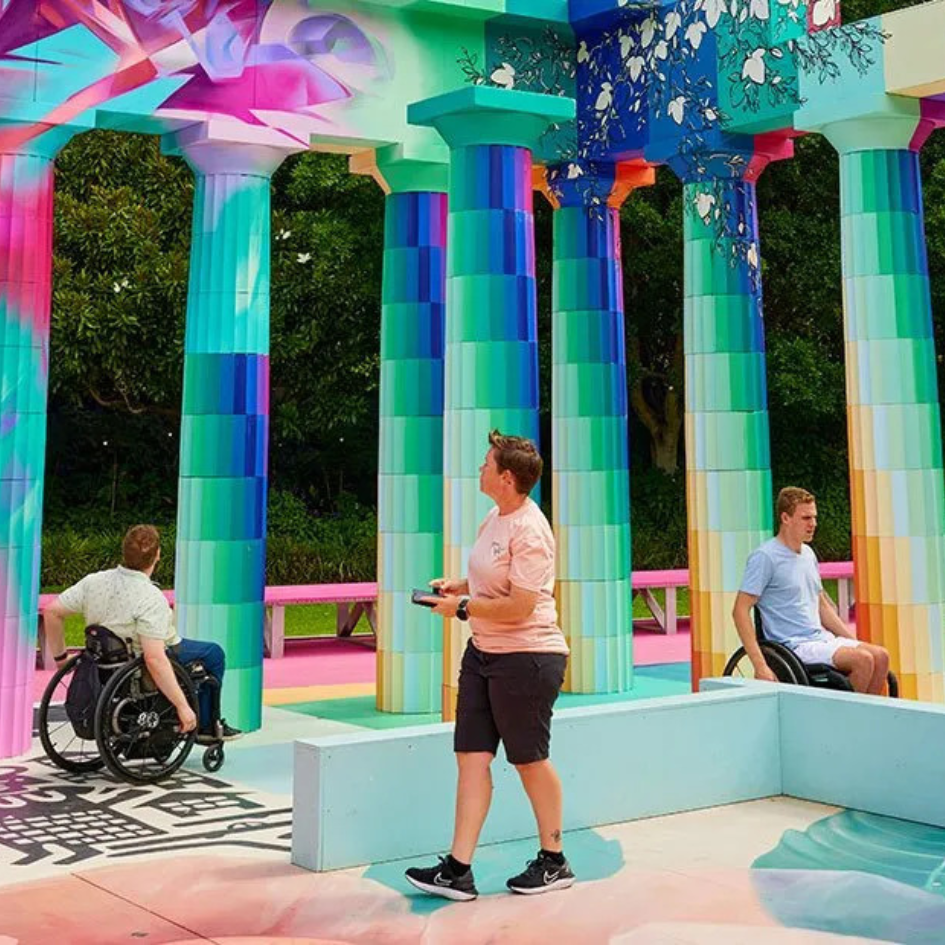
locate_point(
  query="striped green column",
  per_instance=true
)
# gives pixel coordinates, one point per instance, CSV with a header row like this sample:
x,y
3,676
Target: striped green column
x,y
728,468
410,467
591,478
894,420
221,514
491,377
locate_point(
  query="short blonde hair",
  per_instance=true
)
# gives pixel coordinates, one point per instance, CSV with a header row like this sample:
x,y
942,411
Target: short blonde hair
x,y
140,547
790,497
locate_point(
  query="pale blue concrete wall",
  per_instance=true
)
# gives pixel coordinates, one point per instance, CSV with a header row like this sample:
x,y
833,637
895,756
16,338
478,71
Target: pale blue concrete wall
x,y
365,798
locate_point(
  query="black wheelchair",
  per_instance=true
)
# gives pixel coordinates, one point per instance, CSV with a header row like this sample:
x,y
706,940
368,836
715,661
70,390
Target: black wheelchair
x,y
102,709
789,669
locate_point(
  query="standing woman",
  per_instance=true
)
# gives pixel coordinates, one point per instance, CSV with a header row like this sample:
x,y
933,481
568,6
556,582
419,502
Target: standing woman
x,y
511,673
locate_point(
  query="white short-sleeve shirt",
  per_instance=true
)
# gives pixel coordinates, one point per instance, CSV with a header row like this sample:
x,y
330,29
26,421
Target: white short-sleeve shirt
x,y
126,602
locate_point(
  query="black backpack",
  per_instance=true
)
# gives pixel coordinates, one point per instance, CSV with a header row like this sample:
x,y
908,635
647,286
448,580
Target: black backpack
x,y
85,687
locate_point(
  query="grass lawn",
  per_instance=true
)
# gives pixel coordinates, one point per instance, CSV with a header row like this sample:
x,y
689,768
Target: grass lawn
x,y
318,620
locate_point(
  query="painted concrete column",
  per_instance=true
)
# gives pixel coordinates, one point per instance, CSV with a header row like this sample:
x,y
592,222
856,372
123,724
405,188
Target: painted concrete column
x,y
591,477
410,464
491,374
893,416
26,231
728,466
221,514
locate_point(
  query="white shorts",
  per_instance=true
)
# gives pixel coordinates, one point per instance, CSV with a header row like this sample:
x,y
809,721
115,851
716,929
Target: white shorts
x,y
821,648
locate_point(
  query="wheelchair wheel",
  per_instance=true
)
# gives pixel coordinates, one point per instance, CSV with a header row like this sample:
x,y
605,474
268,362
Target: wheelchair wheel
x,y
136,726
892,683
213,758
64,746
739,665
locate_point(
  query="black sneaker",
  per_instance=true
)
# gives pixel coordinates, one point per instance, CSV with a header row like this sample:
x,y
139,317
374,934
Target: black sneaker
x,y
542,875
440,881
221,732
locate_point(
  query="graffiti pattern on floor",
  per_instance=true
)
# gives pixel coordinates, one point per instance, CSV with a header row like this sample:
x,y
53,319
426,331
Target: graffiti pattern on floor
x,y
49,815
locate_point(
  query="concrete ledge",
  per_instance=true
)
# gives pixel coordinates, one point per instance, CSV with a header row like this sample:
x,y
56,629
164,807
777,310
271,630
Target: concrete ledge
x,y
365,798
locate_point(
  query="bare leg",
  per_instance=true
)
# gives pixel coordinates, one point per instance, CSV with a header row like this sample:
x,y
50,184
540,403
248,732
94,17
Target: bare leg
x,y
543,788
880,668
857,663
473,796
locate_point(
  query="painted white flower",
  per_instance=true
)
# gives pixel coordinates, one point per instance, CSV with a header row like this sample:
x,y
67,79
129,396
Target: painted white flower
x,y
673,22
647,30
694,33
635,66
759,9
661,50
704,204
504,76
713,10
582,54
677,108
752,256
626,45
824,12
575,171
605,98
303,257
754,67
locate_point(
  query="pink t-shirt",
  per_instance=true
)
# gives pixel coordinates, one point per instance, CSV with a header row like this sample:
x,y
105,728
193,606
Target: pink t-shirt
x,y
519,549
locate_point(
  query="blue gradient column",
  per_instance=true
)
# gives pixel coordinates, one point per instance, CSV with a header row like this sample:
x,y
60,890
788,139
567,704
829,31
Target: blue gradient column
x,y
221,515
591,477
26,230
491,334
410,464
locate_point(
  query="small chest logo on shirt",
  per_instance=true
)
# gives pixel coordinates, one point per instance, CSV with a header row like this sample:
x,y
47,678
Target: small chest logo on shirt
x,y
497,550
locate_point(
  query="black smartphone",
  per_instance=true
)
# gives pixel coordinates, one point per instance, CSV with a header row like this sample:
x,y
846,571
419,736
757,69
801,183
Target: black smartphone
x,y
420,592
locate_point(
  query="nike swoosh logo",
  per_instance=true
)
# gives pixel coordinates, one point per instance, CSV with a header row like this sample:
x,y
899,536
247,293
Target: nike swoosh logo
x,y
438,880
551,877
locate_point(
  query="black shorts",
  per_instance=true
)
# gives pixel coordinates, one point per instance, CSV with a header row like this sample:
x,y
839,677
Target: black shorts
x,y
507,696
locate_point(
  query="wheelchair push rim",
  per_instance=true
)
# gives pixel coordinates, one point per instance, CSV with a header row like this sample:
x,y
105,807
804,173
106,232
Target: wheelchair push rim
x,y
739,666
135,726
63,745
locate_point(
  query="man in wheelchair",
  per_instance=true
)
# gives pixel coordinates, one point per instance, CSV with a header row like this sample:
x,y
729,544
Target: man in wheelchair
x,y
126,602
782,581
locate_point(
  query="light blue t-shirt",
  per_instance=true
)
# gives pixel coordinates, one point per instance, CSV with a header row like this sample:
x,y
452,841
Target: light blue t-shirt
x,y
788,587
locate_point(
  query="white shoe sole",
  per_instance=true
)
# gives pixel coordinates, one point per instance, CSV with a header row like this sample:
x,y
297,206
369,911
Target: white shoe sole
x,y
457,895
557,884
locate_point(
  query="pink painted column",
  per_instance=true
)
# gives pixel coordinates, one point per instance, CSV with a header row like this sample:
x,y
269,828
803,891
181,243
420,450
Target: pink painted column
x,y
26,227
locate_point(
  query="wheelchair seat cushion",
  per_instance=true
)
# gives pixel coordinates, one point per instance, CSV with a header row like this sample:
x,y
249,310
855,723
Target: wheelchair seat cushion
x,y
105,647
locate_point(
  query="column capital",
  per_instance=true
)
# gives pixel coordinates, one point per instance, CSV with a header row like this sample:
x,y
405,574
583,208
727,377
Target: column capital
x,y
722,157
209,149
481,115
902,124
592,183
396,171
44,141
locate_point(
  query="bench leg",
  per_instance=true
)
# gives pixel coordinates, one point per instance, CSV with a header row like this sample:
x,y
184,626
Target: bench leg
x,y
843,599
656,610
370,611
274,632
44,658
670,609
344,623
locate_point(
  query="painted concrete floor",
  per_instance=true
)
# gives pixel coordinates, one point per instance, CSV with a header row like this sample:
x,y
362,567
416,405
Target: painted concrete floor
x,y
206,858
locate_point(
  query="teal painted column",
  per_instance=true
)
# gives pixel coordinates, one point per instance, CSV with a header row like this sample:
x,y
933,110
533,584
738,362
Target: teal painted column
x,y
591,476
221,514
410,463
26,242
893,414
491,375
728,465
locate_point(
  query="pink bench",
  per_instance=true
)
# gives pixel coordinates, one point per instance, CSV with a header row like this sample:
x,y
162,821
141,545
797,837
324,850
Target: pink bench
x,y
353,601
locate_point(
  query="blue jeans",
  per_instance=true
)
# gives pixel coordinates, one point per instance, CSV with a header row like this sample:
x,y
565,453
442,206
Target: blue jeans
x,y
214,659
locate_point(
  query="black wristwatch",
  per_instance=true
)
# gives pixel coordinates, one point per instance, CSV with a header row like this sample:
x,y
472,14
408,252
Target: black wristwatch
x,y
462,609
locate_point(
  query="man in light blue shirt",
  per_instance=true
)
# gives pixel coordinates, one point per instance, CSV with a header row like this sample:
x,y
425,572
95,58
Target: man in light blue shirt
x,y
783,581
